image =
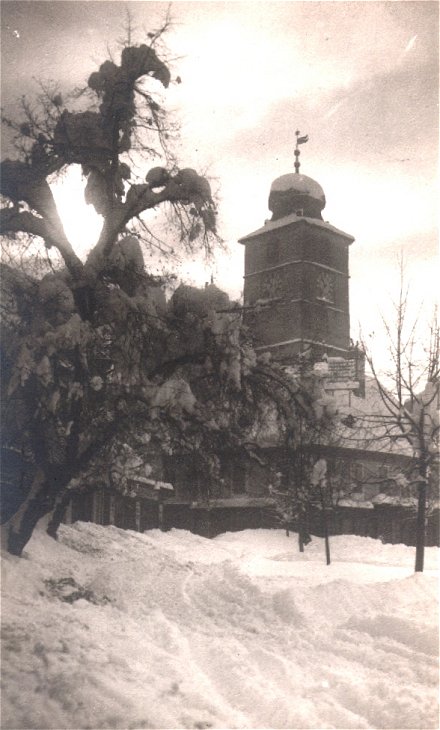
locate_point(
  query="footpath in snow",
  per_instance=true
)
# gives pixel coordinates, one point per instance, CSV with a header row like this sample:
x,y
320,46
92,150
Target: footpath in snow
x,y
115,629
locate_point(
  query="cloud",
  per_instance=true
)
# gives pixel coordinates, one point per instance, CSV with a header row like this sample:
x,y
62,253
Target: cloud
x,y
392,116
360,78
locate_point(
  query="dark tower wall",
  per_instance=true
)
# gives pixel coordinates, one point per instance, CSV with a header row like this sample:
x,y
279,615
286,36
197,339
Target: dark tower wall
x,y
296,287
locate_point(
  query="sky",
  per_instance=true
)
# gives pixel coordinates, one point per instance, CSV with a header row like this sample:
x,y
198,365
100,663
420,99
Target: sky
x,y
360,78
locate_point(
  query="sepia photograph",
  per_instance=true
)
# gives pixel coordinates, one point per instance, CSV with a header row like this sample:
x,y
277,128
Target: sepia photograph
x,y
219,365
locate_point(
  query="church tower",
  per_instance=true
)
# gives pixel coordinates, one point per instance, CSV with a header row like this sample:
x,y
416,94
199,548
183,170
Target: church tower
x,y
296,274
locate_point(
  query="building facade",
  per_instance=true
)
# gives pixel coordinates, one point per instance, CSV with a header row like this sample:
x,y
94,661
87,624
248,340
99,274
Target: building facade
x,y
296,300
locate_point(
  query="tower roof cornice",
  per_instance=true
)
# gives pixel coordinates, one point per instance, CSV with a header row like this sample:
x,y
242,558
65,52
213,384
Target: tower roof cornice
x,y
291,220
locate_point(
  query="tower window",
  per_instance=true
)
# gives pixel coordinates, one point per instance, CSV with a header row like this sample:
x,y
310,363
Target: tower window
x,y
273,251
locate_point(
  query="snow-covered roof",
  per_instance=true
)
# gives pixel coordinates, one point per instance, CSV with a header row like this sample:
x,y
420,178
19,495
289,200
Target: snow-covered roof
x,y
236,501
291,219
367,425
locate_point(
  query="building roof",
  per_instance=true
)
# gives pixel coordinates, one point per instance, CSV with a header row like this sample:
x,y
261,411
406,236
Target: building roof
x,y
367,425
290,220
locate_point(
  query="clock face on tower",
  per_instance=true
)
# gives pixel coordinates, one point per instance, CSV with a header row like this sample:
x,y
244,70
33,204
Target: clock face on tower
x,y
272,285
325,287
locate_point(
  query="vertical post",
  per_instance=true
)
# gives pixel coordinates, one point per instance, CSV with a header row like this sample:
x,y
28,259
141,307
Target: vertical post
x,y
68,514
97,507
138,515
323,485
293,477
326,538
161,514
421,527
301,531
112,510
299,140
94,515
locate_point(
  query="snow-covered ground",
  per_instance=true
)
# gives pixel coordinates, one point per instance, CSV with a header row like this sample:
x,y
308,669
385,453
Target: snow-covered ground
x,y
116,629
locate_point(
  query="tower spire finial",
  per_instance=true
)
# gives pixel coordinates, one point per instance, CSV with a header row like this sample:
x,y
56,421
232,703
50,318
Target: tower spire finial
x,y
299,140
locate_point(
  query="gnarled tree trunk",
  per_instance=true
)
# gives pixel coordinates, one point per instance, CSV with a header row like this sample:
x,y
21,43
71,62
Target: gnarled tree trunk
x,y
40,501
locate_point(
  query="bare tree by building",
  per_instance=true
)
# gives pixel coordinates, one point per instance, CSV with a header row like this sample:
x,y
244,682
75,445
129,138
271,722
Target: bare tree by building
x,y
409,394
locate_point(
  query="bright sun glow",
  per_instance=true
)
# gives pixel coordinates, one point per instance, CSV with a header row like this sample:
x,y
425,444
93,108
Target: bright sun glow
x,y
81,222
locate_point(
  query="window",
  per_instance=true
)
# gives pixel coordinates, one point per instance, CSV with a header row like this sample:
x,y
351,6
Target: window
x,y
263,253
272,251
181,471
238,477
233,472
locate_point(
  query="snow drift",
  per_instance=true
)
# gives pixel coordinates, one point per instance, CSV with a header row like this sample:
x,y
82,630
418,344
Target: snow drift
x,y
116,629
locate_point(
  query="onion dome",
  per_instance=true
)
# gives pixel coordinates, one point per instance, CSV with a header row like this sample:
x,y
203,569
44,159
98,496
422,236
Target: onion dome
x,y
298,194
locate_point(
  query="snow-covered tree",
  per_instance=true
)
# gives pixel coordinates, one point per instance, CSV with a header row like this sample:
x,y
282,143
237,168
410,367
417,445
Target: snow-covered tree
x,y
97,367
114,128
79,342
86,396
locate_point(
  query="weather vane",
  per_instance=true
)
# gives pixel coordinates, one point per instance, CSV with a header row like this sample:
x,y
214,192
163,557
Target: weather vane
x,y
299,140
